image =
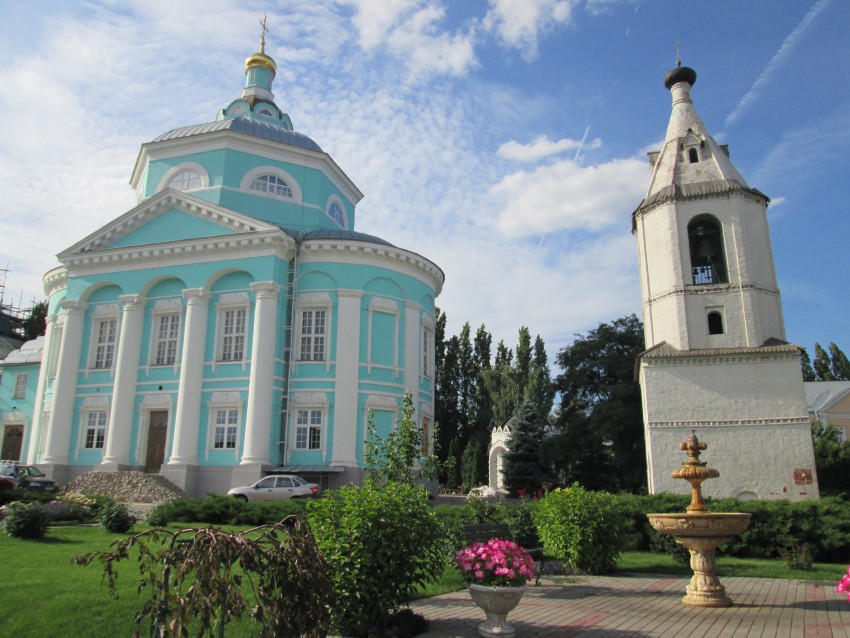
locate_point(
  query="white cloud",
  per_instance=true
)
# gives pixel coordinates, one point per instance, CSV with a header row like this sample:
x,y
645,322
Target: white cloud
x,y
566,196
519,23
543,147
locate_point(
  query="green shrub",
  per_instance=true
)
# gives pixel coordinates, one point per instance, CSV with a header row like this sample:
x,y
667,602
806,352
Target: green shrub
x,y
116,519
520,521
798,557
26,520
380,543
580,528
224,510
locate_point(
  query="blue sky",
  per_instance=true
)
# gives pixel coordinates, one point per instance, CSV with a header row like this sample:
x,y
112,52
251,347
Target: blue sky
x,y
505,140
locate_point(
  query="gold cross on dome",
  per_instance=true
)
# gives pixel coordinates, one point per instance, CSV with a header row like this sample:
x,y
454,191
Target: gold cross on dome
x,y
263,34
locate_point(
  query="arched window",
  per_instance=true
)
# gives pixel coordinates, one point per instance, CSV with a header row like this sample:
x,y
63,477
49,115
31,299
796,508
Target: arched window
x,y
185,181
708,260
336,214
715,323
693,155
271,184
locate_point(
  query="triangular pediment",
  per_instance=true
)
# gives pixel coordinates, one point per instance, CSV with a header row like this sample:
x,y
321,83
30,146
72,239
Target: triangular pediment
x,y
168,216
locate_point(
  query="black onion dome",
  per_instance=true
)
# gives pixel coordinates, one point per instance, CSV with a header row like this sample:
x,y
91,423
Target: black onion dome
x,y
680,74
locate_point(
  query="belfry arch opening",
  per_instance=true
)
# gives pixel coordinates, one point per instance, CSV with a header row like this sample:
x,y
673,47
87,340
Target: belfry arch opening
x,y
708,259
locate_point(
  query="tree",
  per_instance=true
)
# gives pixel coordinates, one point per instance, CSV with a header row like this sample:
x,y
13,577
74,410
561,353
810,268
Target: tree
x,y
806,365
35,323
839,364
822,365
832,458
524,469
600,410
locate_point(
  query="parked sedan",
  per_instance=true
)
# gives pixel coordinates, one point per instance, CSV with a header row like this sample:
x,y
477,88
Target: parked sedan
x,y
281,487
25,476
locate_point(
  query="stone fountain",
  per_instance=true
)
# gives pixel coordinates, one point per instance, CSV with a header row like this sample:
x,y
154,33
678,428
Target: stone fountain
x,y
699,530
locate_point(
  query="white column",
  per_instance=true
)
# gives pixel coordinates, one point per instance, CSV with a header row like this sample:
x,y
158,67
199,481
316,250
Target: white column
x,y
184,449
412,350
38,405
258,420
62,413
347,378
118,437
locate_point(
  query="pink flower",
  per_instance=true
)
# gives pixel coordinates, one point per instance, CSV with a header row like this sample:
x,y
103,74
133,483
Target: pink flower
x,y
497,562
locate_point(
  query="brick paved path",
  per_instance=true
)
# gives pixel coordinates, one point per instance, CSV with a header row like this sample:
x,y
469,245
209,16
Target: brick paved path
x,y
650,605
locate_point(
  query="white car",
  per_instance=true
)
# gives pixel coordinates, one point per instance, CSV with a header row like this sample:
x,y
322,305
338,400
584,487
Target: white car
x,y
280,487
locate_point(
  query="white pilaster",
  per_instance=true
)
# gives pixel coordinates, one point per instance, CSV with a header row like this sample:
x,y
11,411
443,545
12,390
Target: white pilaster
x,y
62,415
38,406
412,349
344,450
117,450
261,381
184,449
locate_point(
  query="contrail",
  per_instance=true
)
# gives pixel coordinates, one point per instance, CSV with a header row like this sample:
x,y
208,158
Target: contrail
x,y
776,60
581,144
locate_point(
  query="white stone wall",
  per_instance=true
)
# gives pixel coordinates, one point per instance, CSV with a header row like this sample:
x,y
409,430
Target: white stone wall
x,y
749,409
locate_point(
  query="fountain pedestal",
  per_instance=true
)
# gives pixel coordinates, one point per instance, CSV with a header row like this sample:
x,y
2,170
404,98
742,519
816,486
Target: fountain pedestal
x,y
700,531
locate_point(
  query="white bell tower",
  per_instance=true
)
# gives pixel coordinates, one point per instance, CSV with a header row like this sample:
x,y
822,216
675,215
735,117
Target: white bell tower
x,y
716,359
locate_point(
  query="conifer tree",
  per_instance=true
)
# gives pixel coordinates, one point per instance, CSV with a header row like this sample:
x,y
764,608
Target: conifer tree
x,y
822,365
806,365
523,469
839,365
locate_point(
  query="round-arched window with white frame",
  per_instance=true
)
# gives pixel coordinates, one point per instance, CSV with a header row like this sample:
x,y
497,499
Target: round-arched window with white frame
x,y
187,176
336,212
271,182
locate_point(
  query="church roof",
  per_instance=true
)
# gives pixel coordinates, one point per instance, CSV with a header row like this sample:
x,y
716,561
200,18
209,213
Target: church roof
x,y
664,350
29,352
335,233
245,126
822,394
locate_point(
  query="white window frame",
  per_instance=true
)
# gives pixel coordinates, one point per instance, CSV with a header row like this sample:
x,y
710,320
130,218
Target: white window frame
x,y
314,302
185,167
224,402
255,173
21,381
226,428
333,199
232,303
95,429
309,402
102,314
313,423
312,343
98,405
428,348
165,308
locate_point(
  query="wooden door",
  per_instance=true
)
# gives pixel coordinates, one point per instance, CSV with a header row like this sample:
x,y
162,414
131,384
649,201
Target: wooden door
x,y
157,432
13,438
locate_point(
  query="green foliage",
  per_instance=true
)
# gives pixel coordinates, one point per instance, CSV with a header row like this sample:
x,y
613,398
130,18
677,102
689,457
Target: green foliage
x,y
471,465
116,518
214,509
798,556
206,577
602,445
26,520
519,517
832,458
523,470
828,366
381,543
580,528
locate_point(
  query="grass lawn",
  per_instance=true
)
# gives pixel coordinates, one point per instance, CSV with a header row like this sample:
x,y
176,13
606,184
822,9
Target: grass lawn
x,y
44,594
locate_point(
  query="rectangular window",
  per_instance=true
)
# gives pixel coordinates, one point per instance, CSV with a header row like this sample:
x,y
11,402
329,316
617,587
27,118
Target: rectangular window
x,y
226,426
233,335
426,352
95,430
104,353
313,335
21,380
308,430
167,329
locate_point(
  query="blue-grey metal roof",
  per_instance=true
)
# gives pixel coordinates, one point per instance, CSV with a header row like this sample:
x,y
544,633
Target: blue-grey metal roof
x,y
245,126
335,233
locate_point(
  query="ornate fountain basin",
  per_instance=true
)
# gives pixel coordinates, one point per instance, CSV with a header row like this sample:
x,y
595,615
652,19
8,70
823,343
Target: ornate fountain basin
x,y
700,524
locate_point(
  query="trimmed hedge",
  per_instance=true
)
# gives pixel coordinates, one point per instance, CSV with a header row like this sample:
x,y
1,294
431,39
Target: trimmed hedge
x,y
224,510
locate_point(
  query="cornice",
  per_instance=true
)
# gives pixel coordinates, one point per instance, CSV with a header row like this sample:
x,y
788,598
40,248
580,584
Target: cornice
x,y
346,251
710,290
55,279
800,420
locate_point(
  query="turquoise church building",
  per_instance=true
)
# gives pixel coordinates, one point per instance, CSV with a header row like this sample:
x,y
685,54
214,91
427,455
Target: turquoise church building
x,y
232,323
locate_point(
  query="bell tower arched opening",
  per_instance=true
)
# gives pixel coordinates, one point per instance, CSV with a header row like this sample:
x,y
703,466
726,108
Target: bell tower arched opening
x,y
708,258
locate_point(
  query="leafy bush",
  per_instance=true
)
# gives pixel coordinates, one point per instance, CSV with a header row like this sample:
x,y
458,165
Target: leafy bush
x,y
520,521
194,578
116,519
380,542
224,510
580,528
26,520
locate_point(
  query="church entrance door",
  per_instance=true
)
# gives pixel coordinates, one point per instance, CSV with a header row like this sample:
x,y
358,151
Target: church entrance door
x,y
157,431
13,438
